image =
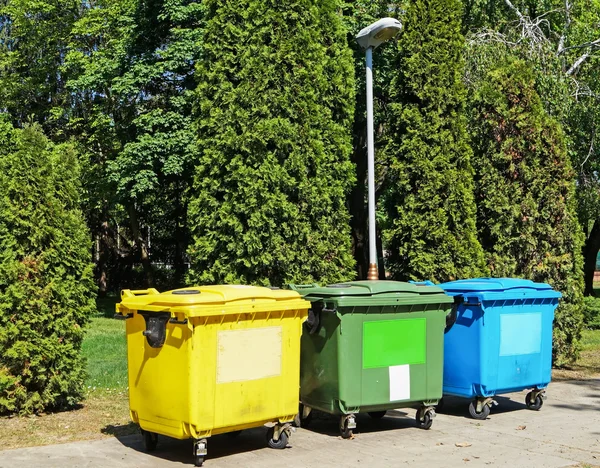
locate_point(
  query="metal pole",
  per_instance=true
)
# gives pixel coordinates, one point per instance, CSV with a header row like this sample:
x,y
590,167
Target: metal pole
x,y
373,272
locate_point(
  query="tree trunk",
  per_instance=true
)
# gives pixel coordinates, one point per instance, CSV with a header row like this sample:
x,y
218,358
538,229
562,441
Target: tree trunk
x,y
380,262
140,245
181,243
102,255
590,253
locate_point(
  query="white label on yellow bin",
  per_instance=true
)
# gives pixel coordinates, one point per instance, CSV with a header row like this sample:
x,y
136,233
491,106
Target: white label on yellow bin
x,y
249,354
400,382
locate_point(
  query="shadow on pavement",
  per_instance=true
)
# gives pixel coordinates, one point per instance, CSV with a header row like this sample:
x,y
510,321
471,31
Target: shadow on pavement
x,y
594,383
591,398
120,430
456,406
219,446
328,424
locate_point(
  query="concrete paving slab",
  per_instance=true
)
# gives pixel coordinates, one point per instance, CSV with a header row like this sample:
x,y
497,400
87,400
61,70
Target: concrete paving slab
x,y
566,432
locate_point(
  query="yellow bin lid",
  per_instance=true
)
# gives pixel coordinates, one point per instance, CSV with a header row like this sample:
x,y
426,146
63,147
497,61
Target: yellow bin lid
x,y
202,301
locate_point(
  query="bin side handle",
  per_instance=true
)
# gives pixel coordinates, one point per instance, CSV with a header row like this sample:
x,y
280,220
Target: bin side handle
x,y
422,283
296,287
118,316
471,304
138,292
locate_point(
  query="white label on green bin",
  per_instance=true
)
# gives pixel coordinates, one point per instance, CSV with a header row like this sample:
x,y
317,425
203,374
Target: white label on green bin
x,y
400,382
250,354
520,334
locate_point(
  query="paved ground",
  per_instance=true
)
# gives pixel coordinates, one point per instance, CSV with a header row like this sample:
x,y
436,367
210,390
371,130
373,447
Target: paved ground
x,y
566,432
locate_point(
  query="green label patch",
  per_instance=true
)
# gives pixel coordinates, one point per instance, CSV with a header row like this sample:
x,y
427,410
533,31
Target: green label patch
x,y
394,342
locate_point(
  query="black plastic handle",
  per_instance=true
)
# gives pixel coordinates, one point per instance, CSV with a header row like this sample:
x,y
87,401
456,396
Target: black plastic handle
x,y
179,322
122,317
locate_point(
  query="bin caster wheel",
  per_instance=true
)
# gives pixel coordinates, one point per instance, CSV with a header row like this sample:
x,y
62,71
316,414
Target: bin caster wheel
x,y
150,440
425,418
377,414
200,451
485,411
347,424
277,444
346,433
534,403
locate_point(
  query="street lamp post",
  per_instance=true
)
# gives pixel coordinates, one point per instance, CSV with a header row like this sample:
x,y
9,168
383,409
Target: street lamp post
x,y
370,38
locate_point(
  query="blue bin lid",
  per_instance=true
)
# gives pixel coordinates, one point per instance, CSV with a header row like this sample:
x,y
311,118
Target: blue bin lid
x,y
501,287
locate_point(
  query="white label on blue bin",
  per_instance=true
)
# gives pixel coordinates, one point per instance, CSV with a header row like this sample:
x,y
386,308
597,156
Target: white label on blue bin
x,y
248,354
400,382
520,334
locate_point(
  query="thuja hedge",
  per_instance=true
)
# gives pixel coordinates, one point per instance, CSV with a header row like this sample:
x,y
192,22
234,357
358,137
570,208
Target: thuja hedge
x,y
46,283
525,191
431,232
275,108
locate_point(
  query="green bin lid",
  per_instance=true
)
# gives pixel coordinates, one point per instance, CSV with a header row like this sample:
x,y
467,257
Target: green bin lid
x,y
354,293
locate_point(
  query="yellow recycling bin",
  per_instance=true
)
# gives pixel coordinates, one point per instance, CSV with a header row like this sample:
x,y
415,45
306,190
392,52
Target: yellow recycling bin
x,y
213,359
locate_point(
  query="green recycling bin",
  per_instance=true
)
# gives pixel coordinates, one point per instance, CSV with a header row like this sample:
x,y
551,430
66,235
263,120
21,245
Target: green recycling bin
x,y
372,346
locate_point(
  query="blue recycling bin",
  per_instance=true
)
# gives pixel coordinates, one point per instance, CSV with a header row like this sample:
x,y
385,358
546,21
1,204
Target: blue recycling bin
x,y
498,340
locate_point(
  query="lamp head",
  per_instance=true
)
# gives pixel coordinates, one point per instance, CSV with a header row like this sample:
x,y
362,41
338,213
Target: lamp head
x,y
379,32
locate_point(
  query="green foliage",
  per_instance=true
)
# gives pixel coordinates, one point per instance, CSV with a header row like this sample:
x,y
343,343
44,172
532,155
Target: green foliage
x,y
430,203
275,105
558,39
525,192
33,42
131,68
591,312
46,285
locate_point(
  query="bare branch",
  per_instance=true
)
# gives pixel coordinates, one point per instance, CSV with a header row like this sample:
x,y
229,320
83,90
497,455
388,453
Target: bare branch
x,y
578,63
591,151
561,41
595,43
515,9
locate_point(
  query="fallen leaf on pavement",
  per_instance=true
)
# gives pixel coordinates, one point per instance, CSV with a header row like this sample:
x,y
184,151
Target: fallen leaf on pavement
x,y
521,428
462,444
466,459
440,443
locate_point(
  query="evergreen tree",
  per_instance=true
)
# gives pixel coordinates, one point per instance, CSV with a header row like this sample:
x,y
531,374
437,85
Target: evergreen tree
x,y
275,111
46,284
432,232
525,193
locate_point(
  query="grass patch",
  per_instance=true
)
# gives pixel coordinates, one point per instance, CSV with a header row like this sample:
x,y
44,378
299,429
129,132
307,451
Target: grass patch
x,y
105,348
588,364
